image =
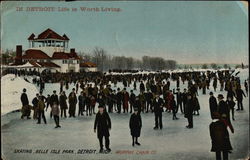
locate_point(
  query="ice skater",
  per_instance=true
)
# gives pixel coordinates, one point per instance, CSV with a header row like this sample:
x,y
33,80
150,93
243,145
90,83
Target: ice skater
x,y
103,126
135,125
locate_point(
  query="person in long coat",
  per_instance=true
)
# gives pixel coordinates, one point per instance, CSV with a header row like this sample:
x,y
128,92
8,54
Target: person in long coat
x,y
103,126
135,125
26,109
220,137
63,104
72,103
81,103
35,106
158,109
212,104
196,105
189,108
125,100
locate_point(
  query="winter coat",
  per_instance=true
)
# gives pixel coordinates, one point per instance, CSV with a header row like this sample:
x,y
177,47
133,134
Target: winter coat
x,y
223,108
213,105
135,124
196,104
24,99
189,108
63,102
158,105
102,124
239,94
220,137
54,99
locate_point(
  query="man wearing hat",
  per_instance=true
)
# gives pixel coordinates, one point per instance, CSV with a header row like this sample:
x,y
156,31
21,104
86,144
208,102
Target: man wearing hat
x,y
189,109
25,102
220,137
212,104
158,104
135,124
103,126
72,103
179,99
224,109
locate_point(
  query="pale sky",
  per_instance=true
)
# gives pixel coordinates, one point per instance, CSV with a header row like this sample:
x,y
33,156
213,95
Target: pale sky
x,y
188,32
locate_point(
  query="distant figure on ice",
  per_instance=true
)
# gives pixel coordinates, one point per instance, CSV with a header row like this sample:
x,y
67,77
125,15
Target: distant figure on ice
x,y
220,137
26,109
239,96
35,106
158,109
72,103
103,126
55,113
63,104
231,105
246,86
212,104
135,124
40,110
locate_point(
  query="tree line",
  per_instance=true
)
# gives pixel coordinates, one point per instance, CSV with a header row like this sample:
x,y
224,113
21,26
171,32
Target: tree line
x,y
107,62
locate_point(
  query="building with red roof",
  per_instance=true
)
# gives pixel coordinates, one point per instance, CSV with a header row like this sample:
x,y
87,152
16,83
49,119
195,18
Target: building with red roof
x,y
50,51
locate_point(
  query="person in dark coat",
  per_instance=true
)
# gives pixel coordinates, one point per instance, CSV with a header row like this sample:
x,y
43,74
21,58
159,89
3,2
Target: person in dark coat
x,y
175,108
179,99
48,103
135,125
103,126
54,98
239,96
119,98
196,105
184,99
212,104
72,103
158,109
189,111
224,109
35,106
219,137
63,104
25,105
231,105
132,100
81,103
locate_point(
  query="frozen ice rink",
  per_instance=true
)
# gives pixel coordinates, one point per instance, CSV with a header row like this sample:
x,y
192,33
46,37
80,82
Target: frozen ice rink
x,y
173,142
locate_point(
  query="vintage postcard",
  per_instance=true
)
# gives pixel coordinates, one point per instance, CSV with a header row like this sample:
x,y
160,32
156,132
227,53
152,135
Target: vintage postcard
x,y
124,80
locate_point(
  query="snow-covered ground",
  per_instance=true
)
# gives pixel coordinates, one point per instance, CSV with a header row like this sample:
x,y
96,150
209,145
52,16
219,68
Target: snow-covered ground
x,y
11,89
173,142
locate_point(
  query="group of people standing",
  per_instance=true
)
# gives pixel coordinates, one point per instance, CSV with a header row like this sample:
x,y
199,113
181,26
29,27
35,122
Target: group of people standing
x,y
154,96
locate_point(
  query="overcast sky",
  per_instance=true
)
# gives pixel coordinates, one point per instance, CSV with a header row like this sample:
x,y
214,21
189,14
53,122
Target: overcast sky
x,y
188,32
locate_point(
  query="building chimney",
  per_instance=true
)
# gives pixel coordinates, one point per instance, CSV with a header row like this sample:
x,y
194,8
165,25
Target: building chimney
x,y
19,51
72,50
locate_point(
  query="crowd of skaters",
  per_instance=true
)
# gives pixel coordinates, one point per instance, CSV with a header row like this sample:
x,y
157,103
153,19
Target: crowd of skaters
x,y
154,95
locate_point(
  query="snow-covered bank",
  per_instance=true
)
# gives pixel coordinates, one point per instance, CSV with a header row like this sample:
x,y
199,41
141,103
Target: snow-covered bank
x,y
11,90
